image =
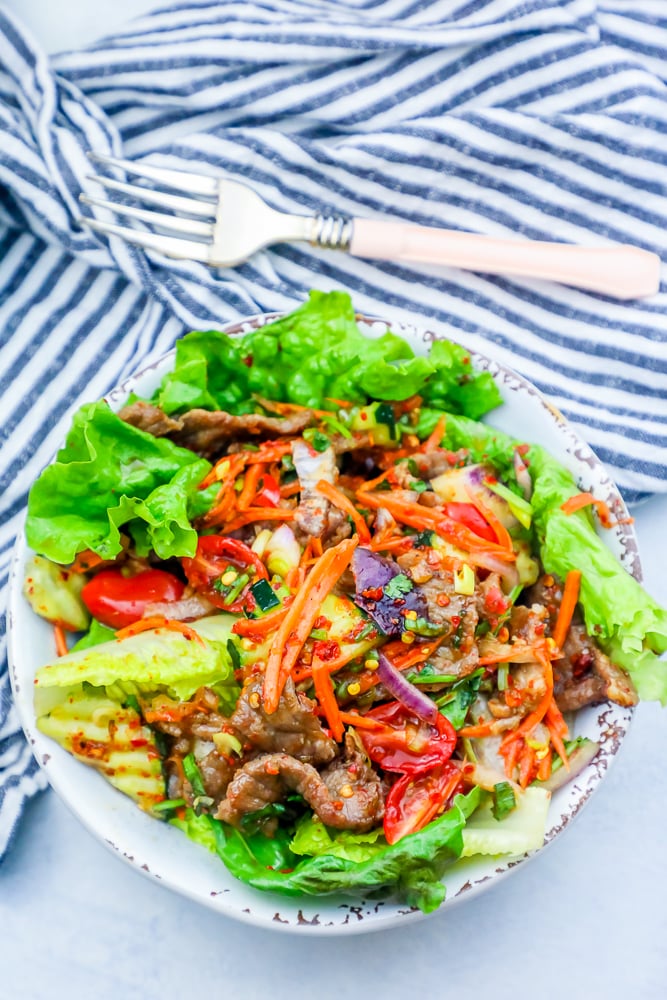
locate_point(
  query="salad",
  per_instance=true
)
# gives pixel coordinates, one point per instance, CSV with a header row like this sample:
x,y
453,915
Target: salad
x,y
312,611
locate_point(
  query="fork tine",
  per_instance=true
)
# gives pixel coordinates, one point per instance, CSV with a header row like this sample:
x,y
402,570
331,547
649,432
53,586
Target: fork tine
x,y
191,206
182,180
187,227
171,246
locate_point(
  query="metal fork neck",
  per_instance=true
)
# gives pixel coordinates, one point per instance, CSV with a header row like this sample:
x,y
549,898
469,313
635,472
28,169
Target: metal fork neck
x,y
334,232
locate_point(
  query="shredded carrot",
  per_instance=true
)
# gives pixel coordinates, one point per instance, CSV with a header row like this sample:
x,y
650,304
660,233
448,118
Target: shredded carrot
x,y
222,511
526,766
345,403
339,500
360,721
317,547
398,544
483,729
291,489
557,731
544,768
503,536
567,606
324,692
519,652
259,514
159,621
511,757
528,724
61,641
298,622
431,518
372,483
250,485
435,437
225,470
85,561
269,451
582,500
259,626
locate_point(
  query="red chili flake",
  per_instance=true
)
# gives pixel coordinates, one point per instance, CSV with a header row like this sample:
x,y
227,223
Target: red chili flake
x,y
523,449
323,622
248,360
326,649
443,600
372,593
338,805
271,768
539,629
364,416
466,360
456,620
139,743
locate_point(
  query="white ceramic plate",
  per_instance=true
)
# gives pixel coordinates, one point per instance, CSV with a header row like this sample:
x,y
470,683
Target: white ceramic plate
x,y
164,853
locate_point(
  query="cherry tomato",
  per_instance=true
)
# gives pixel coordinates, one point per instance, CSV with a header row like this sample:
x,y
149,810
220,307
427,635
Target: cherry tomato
x,y
269,493
414,800
407,744
215,555
468,515
117,600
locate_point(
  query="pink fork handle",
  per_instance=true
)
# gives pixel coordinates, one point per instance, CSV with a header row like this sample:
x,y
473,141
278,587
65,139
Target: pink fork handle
x,y
623,272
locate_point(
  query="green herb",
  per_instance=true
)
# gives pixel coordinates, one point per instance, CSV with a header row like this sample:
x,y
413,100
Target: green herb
x,y
482,628
132,702
504,800
398,586
264,595
193,774
319,634
234,654
316,439
423,539
455,704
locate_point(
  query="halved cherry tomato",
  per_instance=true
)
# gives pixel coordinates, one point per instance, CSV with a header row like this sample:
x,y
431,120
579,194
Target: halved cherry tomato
x,y
407,744
414,800
215,555
117,600
468,515
268,494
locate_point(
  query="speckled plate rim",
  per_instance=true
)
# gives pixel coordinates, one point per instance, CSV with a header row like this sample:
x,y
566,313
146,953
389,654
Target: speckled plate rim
x,y
164,854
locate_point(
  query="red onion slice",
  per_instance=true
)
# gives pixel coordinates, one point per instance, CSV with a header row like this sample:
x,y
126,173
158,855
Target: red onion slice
x,y
405,692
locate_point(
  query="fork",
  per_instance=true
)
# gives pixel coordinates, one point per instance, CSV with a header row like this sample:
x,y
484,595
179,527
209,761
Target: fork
x,y
223,222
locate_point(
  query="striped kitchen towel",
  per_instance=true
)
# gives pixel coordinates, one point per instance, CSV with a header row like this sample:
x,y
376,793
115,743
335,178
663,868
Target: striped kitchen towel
x,y
532,117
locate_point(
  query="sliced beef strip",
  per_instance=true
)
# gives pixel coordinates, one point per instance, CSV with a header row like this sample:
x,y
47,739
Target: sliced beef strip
x,y
151,419
207,431
458,654
584,675
194,734
345,796
293,728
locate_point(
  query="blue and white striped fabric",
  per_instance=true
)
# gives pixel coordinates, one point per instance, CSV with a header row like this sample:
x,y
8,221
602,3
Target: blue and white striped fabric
x,y
534,117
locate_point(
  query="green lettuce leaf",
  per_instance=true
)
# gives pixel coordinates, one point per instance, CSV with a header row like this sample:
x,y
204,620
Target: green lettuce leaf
x,y
628,623
314,838
96,634
412,868
312,355
158,660
110,475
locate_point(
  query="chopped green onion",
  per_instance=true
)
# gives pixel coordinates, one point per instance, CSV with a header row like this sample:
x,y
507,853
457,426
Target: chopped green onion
x,y
131,702
504,800
264,595
420,626
237,587
319,633
503,674
168,804
337,425
193,774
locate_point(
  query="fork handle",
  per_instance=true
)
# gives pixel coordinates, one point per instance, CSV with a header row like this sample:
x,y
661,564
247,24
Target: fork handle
x,y
622,272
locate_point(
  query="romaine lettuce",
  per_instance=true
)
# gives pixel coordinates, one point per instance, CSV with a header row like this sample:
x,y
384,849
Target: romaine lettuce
x,y
159,660
314,354
109,475
412,868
